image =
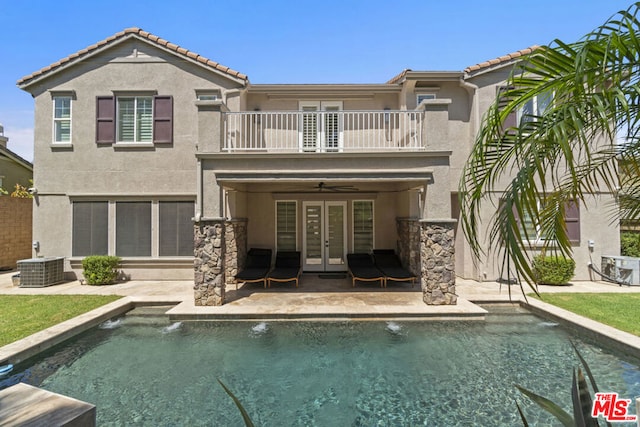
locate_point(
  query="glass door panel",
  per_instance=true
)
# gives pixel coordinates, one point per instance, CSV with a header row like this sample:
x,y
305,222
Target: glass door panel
x,y
313,237
335,235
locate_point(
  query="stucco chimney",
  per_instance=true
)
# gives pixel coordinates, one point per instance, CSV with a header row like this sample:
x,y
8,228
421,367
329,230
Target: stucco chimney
x,y
3,139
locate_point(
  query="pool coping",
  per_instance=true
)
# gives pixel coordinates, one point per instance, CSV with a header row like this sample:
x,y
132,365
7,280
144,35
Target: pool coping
x,y
30,346
27,347
609,336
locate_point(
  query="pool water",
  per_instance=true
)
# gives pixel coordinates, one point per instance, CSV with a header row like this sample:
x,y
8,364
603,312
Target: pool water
x,y
142,370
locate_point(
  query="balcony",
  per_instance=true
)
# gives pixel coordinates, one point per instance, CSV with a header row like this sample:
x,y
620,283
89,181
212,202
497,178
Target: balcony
x,y
324,131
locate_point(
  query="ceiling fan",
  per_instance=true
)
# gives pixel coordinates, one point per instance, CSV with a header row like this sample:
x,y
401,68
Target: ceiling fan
x,y
322,186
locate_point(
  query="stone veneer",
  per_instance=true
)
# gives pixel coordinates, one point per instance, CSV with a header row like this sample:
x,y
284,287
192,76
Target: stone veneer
x,y
235,238
409,243
437,253
209,269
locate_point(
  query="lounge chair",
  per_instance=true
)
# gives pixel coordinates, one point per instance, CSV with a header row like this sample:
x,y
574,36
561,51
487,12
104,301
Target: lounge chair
x,y
388,262
256,267
362,268
287,268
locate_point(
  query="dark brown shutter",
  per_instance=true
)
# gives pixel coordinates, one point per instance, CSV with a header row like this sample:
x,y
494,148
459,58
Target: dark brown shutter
x,y
105,120
162,119
572,221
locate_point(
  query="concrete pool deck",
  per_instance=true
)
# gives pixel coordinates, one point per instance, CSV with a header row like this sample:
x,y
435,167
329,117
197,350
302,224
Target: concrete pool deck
x,y
325,299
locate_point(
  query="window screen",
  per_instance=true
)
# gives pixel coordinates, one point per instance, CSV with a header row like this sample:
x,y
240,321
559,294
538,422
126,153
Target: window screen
x,y
176,228
362,226
133,228
286,226
90,228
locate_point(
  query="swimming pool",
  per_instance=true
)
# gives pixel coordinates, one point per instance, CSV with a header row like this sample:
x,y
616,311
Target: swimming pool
x,y
141,370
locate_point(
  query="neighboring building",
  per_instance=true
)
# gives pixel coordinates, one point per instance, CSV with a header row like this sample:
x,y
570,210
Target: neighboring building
x,y
136,138
13,168
15,213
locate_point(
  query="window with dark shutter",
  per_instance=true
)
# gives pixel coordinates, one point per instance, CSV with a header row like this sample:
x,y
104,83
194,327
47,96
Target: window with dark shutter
x,y
162,119
105,120
572,221
90,228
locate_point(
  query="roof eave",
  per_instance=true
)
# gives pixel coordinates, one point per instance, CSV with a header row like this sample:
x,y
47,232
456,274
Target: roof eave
x,y
110,42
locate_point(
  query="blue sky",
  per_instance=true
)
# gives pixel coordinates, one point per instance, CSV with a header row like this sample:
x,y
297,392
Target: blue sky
x,y
348,41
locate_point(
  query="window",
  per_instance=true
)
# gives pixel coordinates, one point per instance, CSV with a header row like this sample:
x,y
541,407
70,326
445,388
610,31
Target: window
x,y
320,126
61,119
135,119
207,94
423,96
133,228
534,108
286,225
362,226
90,228
534,234
176,228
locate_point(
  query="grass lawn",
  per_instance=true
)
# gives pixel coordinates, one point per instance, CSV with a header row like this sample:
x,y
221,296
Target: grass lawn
x,y
621,311
23,315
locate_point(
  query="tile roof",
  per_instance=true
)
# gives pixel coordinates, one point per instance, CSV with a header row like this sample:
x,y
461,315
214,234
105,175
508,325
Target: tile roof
x,y
501,59
144,35
398,77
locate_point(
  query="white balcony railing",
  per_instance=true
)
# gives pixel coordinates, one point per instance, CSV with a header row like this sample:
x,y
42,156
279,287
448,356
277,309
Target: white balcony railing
x,y
324,131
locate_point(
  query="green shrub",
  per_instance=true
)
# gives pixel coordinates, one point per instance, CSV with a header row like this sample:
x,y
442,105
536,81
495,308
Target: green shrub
x,y
100,269
552,270
630,244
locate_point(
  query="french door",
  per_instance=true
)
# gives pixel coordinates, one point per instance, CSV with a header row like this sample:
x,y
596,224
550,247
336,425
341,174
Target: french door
x,y
320,126
324,236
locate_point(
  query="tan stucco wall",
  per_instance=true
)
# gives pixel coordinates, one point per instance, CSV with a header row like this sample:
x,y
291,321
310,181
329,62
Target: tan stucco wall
x,y
84,170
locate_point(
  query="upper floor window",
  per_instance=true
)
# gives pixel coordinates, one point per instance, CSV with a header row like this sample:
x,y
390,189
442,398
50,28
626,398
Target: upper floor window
x,y
535,107
61,119
424,96
135,119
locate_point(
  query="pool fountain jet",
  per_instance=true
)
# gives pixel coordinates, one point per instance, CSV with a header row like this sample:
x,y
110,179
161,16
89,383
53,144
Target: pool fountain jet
x,y
260,328
172,327
394,328
110,324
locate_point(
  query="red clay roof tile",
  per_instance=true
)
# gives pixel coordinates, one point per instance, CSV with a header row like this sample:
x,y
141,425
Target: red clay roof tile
x,y
143,34
501,59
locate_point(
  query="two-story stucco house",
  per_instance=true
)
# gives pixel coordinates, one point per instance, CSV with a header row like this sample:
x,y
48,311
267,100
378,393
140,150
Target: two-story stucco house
x,y
138,139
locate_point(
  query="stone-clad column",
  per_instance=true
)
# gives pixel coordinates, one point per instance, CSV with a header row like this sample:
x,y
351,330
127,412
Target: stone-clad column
x,y
409,243
235,237
209,271
437,255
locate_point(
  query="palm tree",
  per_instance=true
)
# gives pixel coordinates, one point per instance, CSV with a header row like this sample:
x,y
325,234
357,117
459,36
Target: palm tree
x,y
588,97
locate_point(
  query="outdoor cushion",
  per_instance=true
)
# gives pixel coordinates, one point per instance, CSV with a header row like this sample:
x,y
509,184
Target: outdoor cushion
x,y
391,266
257,266
287,268
361,267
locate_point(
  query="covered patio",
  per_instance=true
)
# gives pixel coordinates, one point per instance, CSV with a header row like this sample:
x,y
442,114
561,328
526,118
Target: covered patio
x,y
326,299
325,206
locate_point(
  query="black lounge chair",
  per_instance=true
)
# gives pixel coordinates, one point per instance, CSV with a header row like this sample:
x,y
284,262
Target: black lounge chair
x,y
287,268
362,268
256,267
388,262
